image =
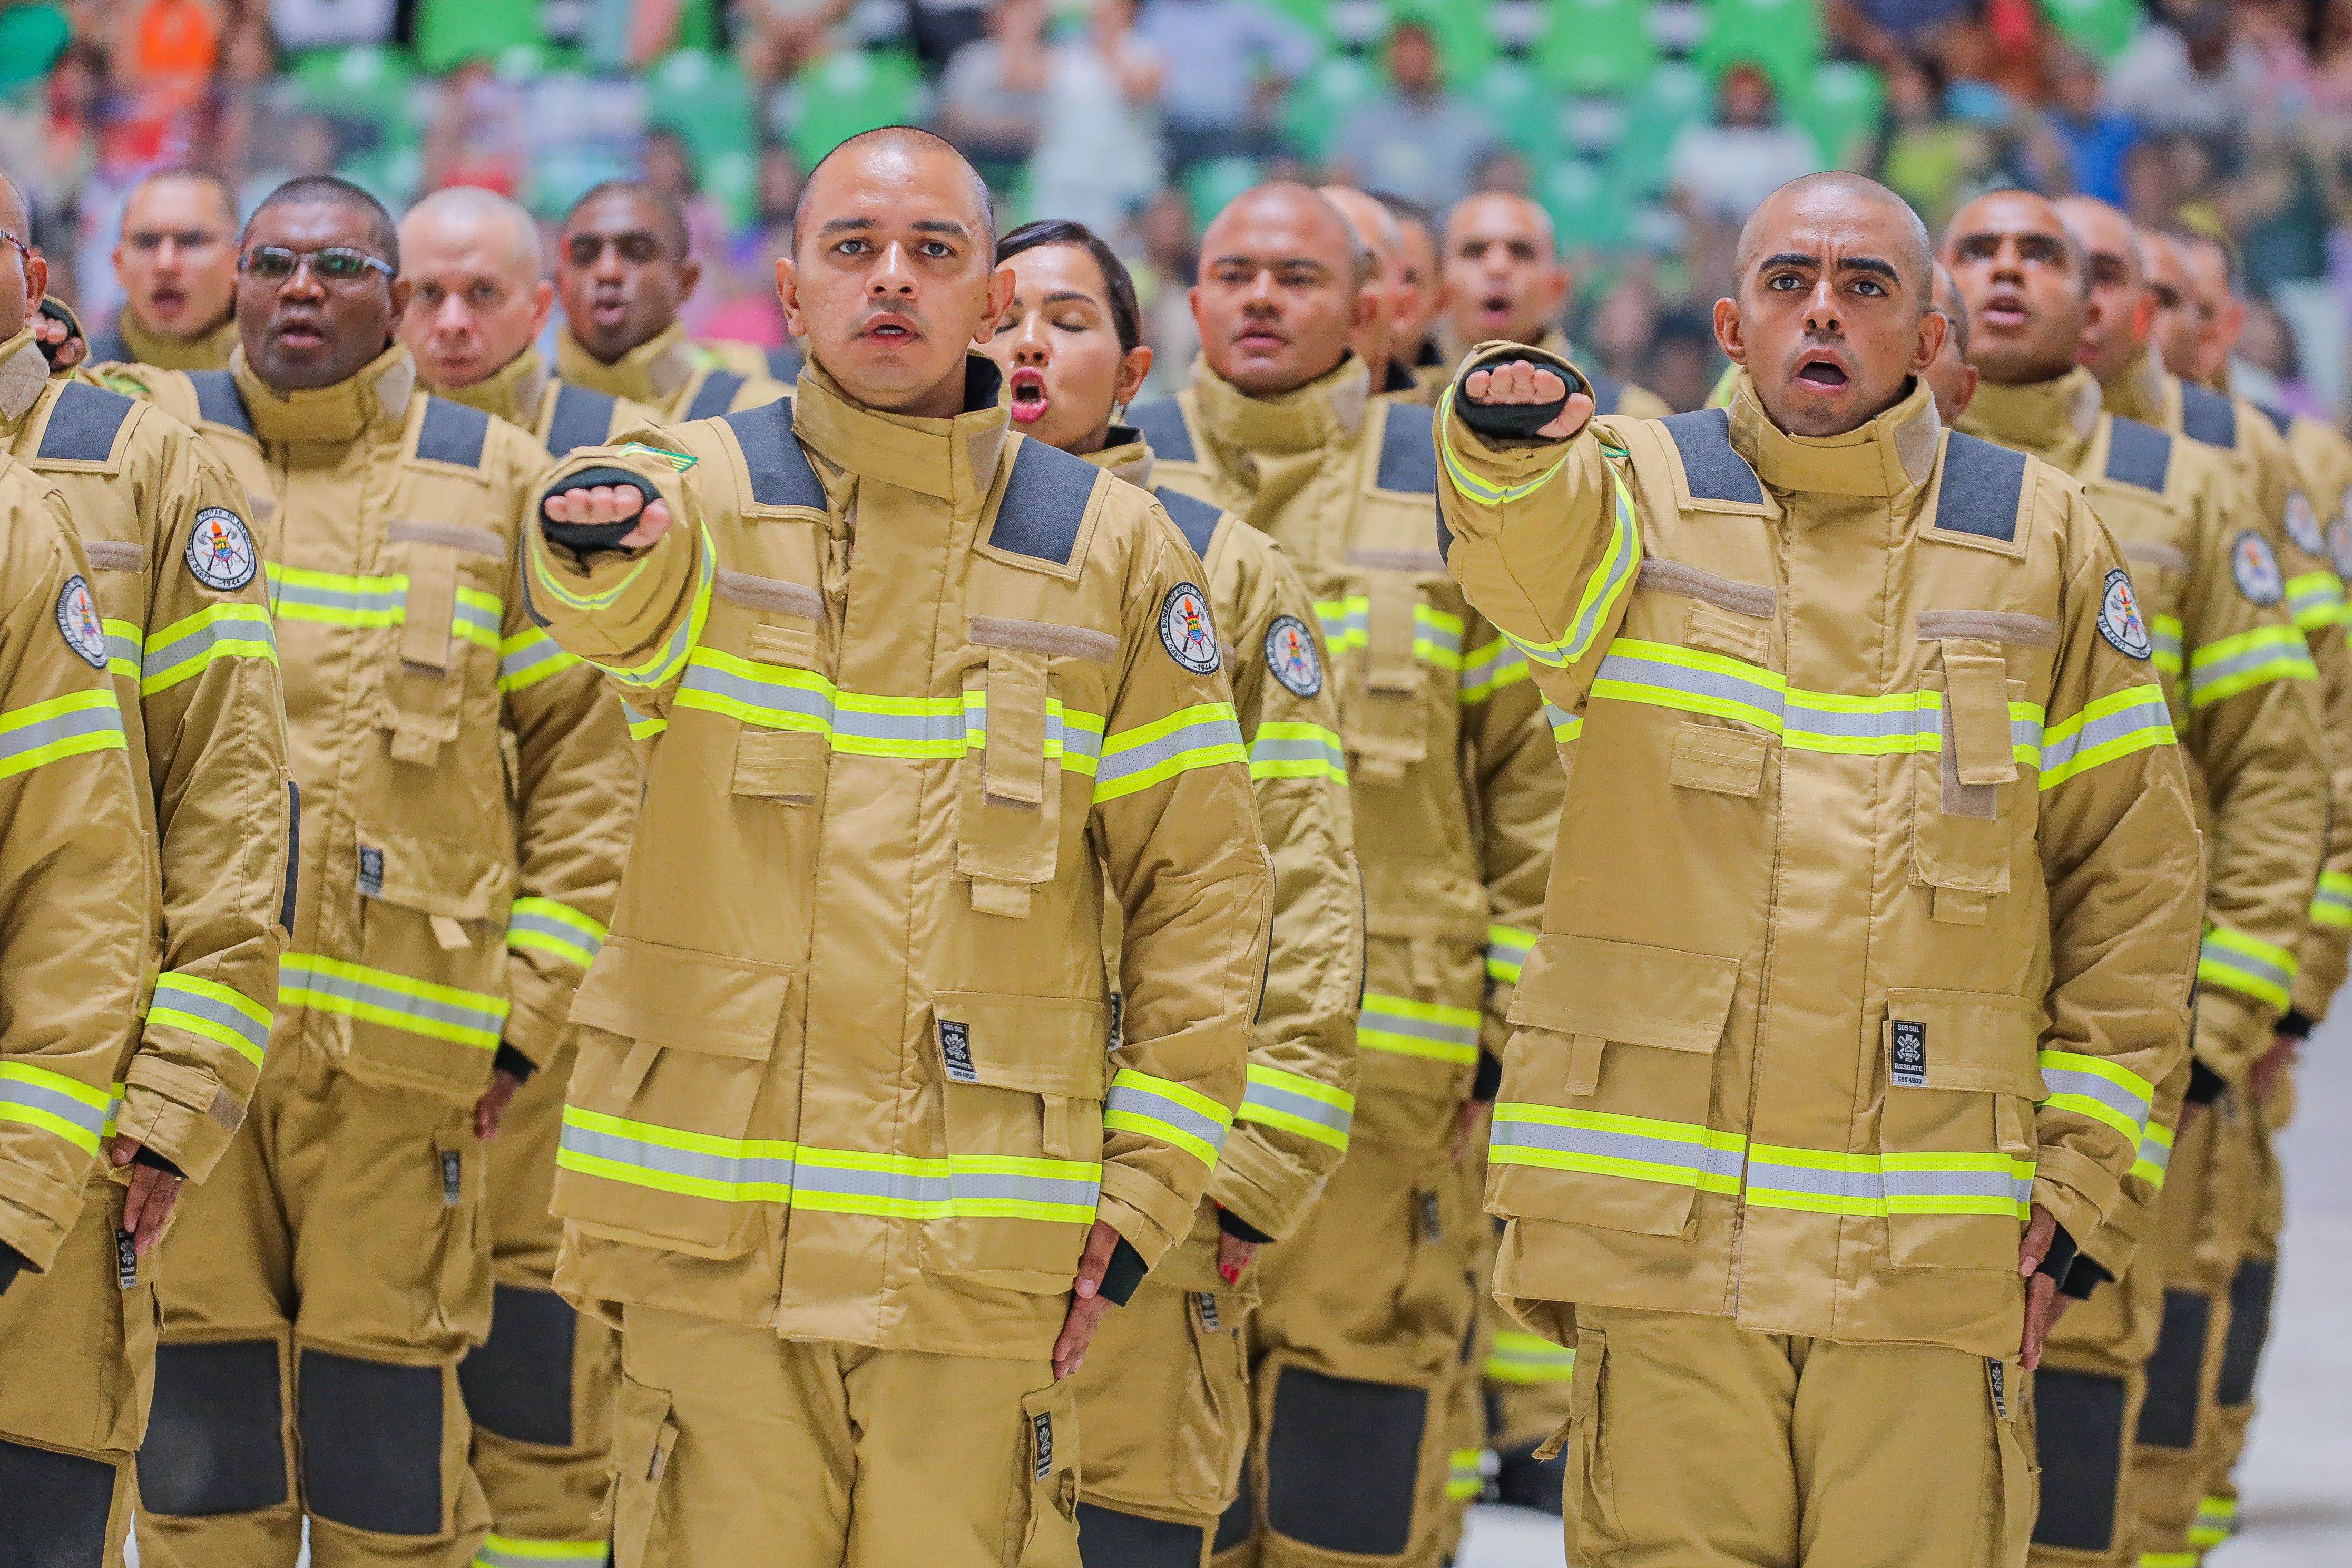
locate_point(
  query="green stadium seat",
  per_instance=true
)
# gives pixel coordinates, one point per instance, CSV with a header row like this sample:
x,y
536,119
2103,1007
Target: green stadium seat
x,y
1209,186
1597,46
451,32
1587,205
849,91
368,82
1670,98
2098,27
31,39
1315,106
1525,108
1840,105
1315,16
1784,37
1466,42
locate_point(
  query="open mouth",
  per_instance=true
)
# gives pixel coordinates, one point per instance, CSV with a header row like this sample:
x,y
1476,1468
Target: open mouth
x,y
1820,375
168,299
1030,399
2007,310
299,335
1496,307
608,311
1258,340
893,329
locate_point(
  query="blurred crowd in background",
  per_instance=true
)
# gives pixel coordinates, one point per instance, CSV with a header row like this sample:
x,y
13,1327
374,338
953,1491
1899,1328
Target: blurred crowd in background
x,y
1648,128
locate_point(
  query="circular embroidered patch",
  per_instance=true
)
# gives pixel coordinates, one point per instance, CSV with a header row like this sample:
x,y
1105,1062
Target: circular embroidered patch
x,y
1290,654
2119,620
1186,631
2303,525
2339,543
78,622
220,552
2255,565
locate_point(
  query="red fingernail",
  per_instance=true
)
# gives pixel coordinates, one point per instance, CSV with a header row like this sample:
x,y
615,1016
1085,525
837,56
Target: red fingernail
x,y
1232,1274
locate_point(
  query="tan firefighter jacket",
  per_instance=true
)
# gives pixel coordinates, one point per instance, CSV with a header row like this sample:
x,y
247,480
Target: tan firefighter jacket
x,y
1454,780
563,416
1885,888
462,820
2238,679
1609,395
129,342
177,576
677,377
77,896
1292,1127
927,693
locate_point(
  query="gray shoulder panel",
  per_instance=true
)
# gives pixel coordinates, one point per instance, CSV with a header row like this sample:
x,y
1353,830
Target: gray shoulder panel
x,y
781,475
1982,483
1608,392
217,402
2278,416
1194,518
452,432
83,425
2208,416
1162,424
2139,455
1712,466
785,364
583,418
1408,456
1045,503
718,395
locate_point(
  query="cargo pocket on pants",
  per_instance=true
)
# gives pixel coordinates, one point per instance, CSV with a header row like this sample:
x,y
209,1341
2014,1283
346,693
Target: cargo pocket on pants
x,y
2011,1482
644,1439
453,1276
1210,1465
1590,1496
1041,1525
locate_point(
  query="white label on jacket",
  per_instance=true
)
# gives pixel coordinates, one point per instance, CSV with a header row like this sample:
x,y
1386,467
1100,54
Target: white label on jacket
x,y
2119,620
1186,631
955,1051
1907,1068
2303,525
1290,654
79,624
126,1261
220,552
371,872
2255,565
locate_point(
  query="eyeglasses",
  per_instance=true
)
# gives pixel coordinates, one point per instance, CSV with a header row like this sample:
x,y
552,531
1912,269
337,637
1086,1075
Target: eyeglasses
x,y
336,264
7,239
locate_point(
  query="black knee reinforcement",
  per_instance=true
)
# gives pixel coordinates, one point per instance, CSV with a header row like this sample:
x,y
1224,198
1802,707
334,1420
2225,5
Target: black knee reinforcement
x,y
2079,1417
2168,1418
1529,1482
2250,1325
518,1383
1343,1462
216,1433
1109,1538
371,1443
58,1505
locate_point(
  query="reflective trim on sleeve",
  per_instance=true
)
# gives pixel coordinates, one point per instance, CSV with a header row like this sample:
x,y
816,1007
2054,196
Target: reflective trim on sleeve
x,y
2114,726
2239,963
2164,633
1437,638
1157,1108
478,615
394,1001
2331,901
186,648
520,1552
2155,1154
542,576
64,1106
1870,1186
1347,622
1602,589
1694,680
1205,735
642,726
1483,492
2216,1521
2224,668
529,657
214,1011
125,642
1346,625
1297,1103
1519,1356
1565,726
2098,1088
2314,598
1405,1027
1291,748
546,925
1506,949
1491,668
67,726
1604,1143
669,658
1465,1474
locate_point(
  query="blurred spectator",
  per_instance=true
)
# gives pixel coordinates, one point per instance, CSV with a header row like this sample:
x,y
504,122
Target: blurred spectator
x,y
1228,63
993,97
1924,154
2266,347
2189,72
478,136
783,36
2095,139
69,154
1722,168
1163,287
1684,361
1416,139
669,169
1504,169
941,28
330,24
1099,155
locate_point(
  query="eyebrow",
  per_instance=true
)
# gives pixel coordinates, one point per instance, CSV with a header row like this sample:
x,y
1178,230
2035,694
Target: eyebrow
x,y
1279,262
1071,296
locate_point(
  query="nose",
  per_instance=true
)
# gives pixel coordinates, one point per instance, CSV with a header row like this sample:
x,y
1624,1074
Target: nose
x,y
2007,262
607,267
303,285
891,274
1030,345
1820,308
452,320
167,255
1261,296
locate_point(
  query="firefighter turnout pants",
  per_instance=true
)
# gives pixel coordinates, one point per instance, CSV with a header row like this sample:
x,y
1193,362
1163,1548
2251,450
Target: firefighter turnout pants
x,y
2251,1288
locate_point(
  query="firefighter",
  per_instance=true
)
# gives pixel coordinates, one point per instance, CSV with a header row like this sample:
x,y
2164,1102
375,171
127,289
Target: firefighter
x,y
177,261
1378,343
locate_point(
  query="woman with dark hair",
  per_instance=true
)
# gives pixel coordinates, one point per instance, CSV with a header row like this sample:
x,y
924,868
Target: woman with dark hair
x,y
1166,1406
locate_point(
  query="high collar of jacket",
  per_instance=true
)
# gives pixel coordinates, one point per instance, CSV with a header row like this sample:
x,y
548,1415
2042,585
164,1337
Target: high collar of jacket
x,y
650,373
952,459
511,393
2053,420
2141,389
377,395
1125,456
1892,454
1328,408
209,350
24,371
1452,347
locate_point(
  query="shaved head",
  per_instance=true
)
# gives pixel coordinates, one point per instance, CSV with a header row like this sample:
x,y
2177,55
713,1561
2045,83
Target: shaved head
x,y
1383,240
2119,320
1280,291
212,189
15,215
24,277
2174,326
1503,276
478,214
1951,379
474,261
1376,228
2027,279
1521,212
897,144
327,190
1839,192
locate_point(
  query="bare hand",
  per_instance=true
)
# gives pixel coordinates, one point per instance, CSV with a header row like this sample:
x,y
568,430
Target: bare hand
x,y
147,1206
2271,1066
2040,1291
1234,1257
1466,1121
1089,1304
492,1108
1520,381
613,503
58,337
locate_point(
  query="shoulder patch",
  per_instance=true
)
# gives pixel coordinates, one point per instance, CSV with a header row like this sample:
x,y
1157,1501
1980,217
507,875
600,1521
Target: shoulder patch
x,y
1711,466
1162,424
1408,452
1193,517
2139,455
2119,617
83,424
221,554
79,624
582,417
2208,416
1045,503
2255,566
1982,487
1290,655
781,475
2303,525
217,402
1608,392
716,396
1186,631
451,433
785,365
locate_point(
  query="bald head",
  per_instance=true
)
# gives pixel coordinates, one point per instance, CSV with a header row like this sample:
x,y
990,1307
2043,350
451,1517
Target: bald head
x,y
1840,200
1281,289
893,153
1951,379
24,278
474,261
1383,238
480,219
1503,276
2211,269
15,216
2116,327
176,257
2173,324
2027,279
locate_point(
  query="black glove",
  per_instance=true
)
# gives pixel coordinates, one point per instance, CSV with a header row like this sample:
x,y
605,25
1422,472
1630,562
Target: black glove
x,y
587,539
1125,1273
2085,1277
2059,1259
155,1162
1489,1081
510,1060
1233,1224
2295,1026
11,1262
1516,421
2205,1084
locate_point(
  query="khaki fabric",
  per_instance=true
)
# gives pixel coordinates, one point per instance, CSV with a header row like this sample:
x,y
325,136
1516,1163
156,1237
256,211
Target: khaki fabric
x,y
667,373
894,1456
916,711
2323,455
525,393
1695,1444
206,350
2217,1510
195,662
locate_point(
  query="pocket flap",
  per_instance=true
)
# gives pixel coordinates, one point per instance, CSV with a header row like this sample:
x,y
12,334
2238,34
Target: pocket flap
x,y
1622,990
1045,1045
643,1432
683,1001
1977,1040
437,875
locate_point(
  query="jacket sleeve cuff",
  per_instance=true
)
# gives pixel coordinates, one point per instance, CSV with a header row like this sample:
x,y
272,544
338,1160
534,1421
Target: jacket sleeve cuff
x,y
1143,1211
538,1009
2230,1032
2076,1190
1126,1272
35,1216
1260,1186
181,1113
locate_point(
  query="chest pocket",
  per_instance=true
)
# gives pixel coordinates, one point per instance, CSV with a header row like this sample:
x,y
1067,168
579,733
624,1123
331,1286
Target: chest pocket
x,y
441,591
1388,720
1009,796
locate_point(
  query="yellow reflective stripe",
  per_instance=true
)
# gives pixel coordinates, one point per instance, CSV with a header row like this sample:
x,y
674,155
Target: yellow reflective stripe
x,y
1816,1181
1297,1103
642,726
2155,1154
1485,492
529,657
212,1011
2240,963
1466,1475
545,925
379,996
187,648
1506,949
1292,748
2313,599
125,642
2331,901
1205,735
1491,668
340,599
557,590
69,726
1609,1143
1431,1030
521,1552
667,660
1565,726
2109,726
1525,1358
2098,1088
2164,643
2223,668
63,1106
1158,1107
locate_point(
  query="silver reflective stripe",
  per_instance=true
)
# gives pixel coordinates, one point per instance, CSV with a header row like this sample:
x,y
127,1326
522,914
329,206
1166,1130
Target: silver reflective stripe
x,y
1262,1095
380,597
694,1165
1861,1184
1129,1098
517,1551
2058,754
173,994
1295,749
121,648
332,981
1221,731
942,729
2278,657
1624,1151
98,719
481,617
528,656
2131,1107
555,930
1491,667
189,644
36,1096
1069,740
1351,624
